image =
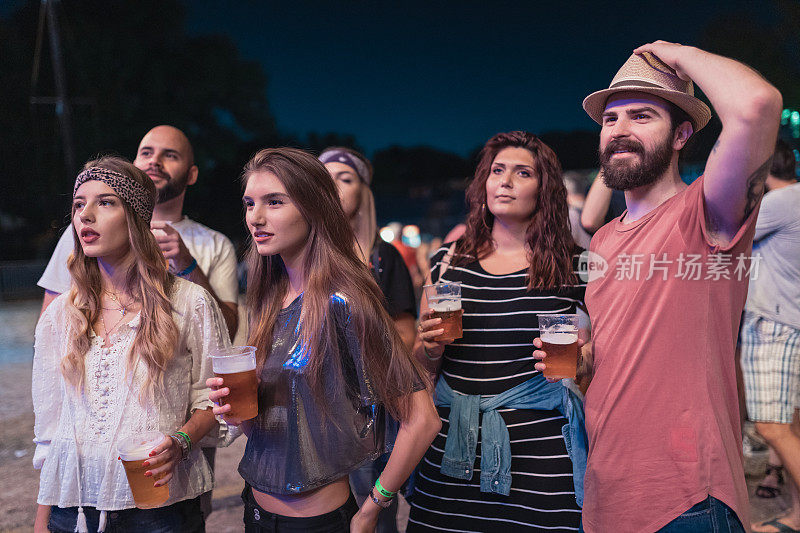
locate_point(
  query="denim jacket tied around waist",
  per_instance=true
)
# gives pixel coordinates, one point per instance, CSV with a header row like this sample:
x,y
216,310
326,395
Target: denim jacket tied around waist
x,y
462,436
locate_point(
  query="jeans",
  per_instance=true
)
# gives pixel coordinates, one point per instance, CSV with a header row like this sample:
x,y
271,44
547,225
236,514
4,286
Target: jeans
x,y
257,520
181,517
362,480
708,516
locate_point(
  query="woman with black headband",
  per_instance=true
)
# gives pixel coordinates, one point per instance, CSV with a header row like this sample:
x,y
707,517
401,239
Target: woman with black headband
x,y
352,173
332,369
122,353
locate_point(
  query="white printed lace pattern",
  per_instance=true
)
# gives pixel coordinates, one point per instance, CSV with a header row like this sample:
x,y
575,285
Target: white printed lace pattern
x,y
92,417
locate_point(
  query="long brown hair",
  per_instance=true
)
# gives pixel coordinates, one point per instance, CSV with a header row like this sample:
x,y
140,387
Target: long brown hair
x,y
548,235
148,282
330,266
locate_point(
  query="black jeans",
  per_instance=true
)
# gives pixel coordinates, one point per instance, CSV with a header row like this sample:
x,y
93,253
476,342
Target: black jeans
x,y
181,517
257,520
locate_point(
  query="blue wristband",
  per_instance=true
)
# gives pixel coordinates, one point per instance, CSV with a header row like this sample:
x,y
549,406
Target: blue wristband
x,y
188,270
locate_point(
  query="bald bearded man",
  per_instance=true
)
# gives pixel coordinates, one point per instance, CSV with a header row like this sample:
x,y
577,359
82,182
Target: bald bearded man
x,y
194,252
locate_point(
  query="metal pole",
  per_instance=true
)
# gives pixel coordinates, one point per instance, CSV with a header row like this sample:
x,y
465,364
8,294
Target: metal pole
x,y
62,106
37,54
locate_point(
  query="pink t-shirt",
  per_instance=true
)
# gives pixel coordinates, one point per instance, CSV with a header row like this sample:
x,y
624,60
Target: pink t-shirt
x,y
662,413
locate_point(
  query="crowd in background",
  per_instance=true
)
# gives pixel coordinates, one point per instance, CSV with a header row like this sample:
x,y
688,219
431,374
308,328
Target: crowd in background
x,y
360,389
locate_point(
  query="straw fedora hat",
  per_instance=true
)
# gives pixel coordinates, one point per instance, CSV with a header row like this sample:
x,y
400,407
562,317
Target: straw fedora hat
x,y
647,74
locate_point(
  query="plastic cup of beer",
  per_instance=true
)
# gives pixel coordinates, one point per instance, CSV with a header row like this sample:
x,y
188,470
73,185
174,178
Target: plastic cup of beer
x,y
133,451
236,365
444,299
559,334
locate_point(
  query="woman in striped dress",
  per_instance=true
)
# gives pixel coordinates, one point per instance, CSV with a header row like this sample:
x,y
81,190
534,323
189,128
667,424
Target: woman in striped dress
x,y
514,261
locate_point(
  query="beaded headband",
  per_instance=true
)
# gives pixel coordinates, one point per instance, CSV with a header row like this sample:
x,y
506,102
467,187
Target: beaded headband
x,y
132,192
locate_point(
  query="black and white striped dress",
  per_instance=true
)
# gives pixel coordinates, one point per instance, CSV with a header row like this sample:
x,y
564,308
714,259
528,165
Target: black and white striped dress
x,y
493,356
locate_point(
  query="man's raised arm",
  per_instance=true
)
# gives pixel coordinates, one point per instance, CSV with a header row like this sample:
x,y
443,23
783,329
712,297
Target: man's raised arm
x,y
749,109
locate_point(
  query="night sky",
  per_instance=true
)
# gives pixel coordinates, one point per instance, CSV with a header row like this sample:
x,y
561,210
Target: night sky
x,y
445,74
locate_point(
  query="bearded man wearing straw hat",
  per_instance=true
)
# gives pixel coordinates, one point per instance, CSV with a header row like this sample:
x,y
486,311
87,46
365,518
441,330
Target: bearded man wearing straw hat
x,y
661,411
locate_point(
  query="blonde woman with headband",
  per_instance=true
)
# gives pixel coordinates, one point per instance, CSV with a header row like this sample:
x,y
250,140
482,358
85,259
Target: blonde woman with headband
x,y
122,353
352,173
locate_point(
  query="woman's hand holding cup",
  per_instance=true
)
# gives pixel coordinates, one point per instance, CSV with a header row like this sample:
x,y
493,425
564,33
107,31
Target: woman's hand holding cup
x,y
541,355
218,392
162,461
429,332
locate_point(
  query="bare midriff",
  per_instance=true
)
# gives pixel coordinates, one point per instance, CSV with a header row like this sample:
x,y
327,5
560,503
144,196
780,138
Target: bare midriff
x,y
312,503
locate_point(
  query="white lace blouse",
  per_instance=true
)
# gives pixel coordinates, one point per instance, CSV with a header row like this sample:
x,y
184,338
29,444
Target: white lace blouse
x,y
76,434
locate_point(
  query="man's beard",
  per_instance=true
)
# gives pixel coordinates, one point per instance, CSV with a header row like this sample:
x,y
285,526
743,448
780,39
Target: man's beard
x,y
172,188
626,175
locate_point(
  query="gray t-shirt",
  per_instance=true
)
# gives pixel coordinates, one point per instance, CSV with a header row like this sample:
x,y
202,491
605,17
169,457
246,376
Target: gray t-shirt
x,y
775,292
294,447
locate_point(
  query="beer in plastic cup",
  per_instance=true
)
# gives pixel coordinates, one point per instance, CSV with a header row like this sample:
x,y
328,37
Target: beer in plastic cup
x,y
133,451
444,299
237,367
559,334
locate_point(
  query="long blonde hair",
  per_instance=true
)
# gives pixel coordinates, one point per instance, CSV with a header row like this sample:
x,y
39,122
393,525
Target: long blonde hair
x,y
330,266
148,281
366,220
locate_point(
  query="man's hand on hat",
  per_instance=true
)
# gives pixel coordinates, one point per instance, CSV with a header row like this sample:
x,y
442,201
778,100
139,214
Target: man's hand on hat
x,y
171,244
669,53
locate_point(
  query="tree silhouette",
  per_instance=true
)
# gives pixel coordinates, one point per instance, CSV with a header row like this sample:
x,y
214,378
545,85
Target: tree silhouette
x,y
130,66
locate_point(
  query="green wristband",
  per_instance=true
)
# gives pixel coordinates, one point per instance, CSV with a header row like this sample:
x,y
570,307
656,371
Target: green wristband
x,y
185,436
385,493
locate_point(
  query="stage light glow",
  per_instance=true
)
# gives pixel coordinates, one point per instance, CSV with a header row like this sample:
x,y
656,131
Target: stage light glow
x,y
387,234
411,236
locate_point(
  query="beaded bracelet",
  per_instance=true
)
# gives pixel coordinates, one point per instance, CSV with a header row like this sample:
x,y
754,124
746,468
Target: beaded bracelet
x,y
380,503
179,440
187,437
183,441
188,270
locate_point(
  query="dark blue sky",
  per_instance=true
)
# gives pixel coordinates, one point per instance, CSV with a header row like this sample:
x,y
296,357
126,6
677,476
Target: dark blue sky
x,y
445,74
